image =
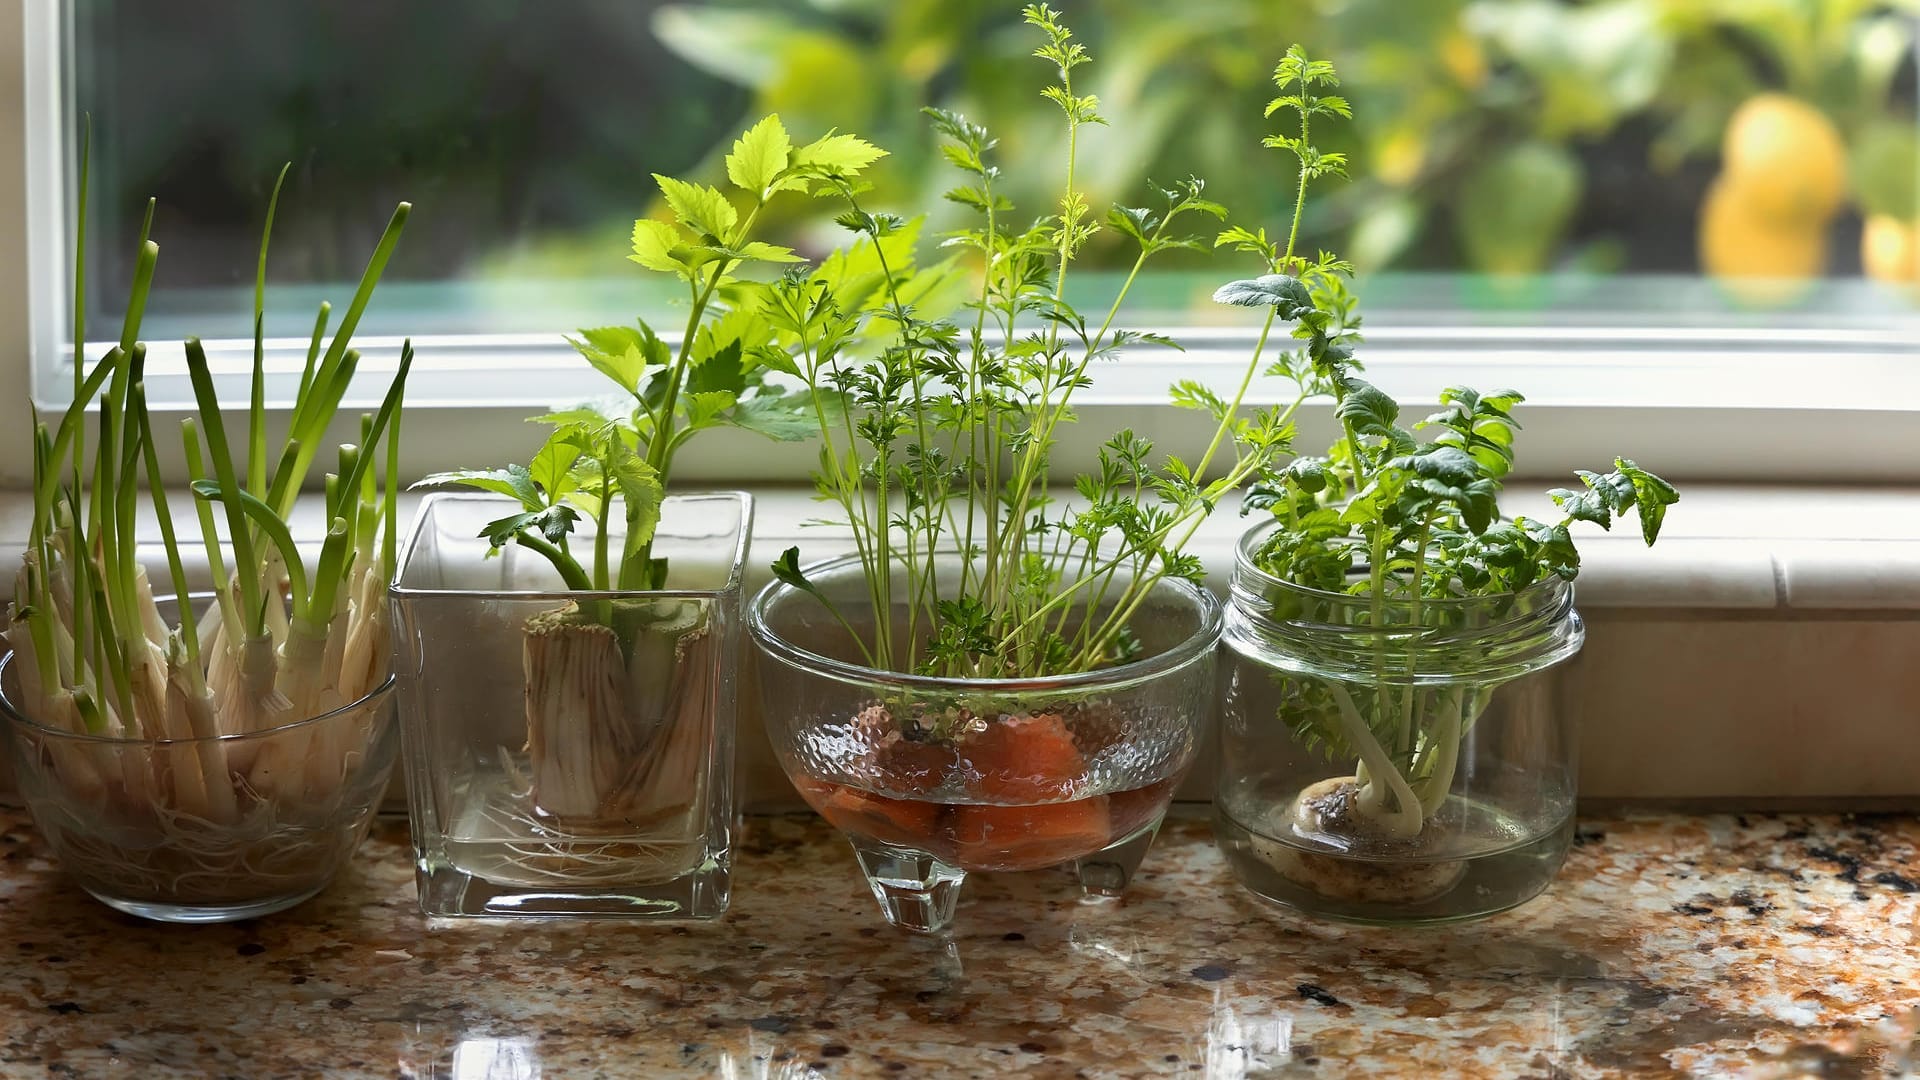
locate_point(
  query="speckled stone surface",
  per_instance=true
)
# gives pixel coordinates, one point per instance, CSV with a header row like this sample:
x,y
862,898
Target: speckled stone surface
x,y
1672,945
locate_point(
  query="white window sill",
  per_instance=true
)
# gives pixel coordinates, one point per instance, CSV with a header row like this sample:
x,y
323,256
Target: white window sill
x,y
1725,547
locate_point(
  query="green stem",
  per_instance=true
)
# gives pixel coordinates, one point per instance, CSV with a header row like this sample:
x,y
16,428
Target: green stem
x,y
316,407
81,393
313,351
247,570
210,537
600,534
189,624
390,501
570,572
1233,410
257,405
243,502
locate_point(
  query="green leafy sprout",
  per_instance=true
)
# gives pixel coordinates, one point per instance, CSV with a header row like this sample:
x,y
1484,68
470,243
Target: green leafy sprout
x,y
938,433
288,636
1402,521
608,461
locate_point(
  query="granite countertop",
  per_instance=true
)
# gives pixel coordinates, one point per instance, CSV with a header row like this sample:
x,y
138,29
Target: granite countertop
x,y
1672,945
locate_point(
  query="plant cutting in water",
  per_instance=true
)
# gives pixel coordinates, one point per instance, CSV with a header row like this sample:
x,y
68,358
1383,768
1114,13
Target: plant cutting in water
x,y
285,637
937,446
1411,527
619,694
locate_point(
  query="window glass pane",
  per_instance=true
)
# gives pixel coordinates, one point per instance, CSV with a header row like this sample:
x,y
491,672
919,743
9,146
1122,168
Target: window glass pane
x,y
1626,161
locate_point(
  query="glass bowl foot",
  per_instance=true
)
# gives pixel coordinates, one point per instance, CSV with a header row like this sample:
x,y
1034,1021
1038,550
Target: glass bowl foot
x,y
916,891
1107,872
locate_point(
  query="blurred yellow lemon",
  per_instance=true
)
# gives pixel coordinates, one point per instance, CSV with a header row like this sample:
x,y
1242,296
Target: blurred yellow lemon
x,y
1786,159
1399,157
1460,54
1759,259
1890,250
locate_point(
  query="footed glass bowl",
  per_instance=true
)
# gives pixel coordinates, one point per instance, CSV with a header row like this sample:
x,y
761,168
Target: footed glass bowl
x,y
932,778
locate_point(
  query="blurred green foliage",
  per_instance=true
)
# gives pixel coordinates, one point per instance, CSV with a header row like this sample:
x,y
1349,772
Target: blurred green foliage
x,y
1505,136
1492,135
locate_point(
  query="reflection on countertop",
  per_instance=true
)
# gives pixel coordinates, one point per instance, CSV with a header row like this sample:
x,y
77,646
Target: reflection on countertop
x,y
1777,945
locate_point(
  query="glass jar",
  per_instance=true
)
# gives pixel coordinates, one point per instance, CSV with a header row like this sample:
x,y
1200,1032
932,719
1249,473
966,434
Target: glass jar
x,y
1399,761
570,753
190,830
931,778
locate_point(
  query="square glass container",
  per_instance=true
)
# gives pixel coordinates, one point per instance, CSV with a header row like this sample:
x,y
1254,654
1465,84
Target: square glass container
x,y
569,753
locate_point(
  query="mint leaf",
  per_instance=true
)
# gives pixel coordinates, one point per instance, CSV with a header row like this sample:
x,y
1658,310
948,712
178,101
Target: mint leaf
x,y
1367,408
1280,291
1652,496
1587,505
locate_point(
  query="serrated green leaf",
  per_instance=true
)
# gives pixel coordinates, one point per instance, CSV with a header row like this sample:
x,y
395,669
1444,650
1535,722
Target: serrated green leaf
x,y
720,371
642,495
597,412
553,523
514,481
621,353
772,253
703,209
704,408
653,246
773,358
759,156
553,463
787,570
842,155
1133,221
782,417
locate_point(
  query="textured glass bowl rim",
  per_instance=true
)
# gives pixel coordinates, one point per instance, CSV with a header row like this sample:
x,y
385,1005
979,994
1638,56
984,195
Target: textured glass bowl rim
x,y
735,575
13,713
1202,641
1250,541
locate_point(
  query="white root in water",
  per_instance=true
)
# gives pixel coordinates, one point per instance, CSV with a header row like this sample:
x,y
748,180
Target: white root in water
x,y
618,750
1332,808
579,732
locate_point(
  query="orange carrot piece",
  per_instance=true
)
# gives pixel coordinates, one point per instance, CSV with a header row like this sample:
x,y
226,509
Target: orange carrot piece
x,y
1028,837
904,823
1024,760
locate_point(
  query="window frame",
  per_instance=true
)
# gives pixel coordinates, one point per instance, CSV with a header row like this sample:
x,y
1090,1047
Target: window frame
x,y
1696,402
